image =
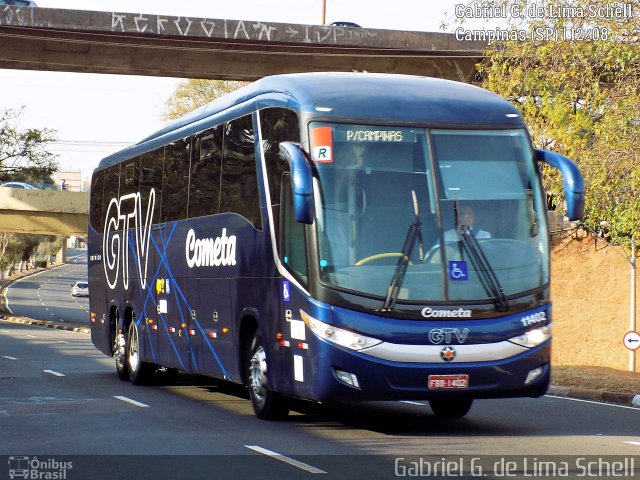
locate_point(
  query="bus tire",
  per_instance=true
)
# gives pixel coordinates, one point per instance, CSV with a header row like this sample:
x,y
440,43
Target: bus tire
x,y
267,404
450,408
120,355
140,373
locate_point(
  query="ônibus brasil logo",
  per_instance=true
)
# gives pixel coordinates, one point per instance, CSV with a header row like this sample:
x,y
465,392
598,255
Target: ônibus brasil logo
x,y
34,468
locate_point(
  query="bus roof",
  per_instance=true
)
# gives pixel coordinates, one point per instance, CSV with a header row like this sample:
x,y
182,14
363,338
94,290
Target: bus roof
x,y
372,98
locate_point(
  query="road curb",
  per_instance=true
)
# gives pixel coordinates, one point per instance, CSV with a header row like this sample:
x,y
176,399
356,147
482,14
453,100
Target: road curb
x,y
45,324
626,399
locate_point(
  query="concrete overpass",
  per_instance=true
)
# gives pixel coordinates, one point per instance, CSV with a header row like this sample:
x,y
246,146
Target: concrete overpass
x,y
48,212
186,47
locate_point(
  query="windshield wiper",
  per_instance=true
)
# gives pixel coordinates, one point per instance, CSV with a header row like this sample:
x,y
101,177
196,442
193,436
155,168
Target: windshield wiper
x,y
413,234
487,274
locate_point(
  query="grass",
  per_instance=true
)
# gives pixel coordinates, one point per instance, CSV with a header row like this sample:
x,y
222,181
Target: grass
x,y
596,378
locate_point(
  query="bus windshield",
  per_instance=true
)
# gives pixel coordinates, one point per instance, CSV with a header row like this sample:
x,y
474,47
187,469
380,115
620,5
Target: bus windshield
x,y
427,215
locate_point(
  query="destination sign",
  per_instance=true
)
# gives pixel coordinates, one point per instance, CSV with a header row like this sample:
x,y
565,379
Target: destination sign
x,y
374,135
368,134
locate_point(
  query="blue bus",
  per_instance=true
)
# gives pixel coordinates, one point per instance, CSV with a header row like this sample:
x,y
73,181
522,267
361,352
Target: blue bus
x,y
331,237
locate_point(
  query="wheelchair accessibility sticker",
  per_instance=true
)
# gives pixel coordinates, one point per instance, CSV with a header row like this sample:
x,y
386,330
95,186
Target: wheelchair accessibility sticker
x,y
286,291
458,270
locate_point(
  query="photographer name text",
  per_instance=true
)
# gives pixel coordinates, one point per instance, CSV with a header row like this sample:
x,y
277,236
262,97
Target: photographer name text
x,y
525,467
581,21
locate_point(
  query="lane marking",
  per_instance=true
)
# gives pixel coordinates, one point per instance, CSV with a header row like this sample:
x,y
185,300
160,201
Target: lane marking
x,y
633,443
595,403
131,401
9,358
6,290
6,300
31,336
282,458
52,372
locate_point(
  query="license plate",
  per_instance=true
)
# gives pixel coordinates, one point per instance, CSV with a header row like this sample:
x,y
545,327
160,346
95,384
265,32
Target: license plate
x,y
447,382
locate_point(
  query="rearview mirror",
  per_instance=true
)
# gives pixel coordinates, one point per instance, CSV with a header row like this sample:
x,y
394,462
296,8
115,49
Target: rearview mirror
x,y
301,182
573,182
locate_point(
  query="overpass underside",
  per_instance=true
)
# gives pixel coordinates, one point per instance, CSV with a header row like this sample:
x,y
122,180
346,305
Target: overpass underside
x,y
141,44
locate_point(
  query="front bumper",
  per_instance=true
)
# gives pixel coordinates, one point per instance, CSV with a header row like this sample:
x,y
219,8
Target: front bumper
x,y
381,379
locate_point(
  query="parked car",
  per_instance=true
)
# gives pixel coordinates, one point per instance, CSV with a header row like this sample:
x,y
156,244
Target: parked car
x,y
19,185
18,3
80,289
344,24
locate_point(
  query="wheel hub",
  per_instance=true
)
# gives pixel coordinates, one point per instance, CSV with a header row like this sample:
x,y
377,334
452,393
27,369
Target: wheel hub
x,y
133,349
258,373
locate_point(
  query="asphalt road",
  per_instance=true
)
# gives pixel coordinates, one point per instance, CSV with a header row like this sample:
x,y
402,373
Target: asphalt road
x,y
61,400
47,295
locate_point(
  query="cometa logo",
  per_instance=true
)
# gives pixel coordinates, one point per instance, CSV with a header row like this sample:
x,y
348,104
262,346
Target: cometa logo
x,y
210,252
429,312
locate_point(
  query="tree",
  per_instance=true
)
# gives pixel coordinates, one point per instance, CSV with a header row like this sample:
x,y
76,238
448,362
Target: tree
x,y
23,156
23,153
50,246
15,247
193,93
579,91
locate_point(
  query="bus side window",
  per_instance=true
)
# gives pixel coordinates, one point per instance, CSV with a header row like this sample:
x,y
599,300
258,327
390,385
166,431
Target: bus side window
x,y
278,125
111,186
97,186
239,177
151,167
293,252
175,181
130,176
204,183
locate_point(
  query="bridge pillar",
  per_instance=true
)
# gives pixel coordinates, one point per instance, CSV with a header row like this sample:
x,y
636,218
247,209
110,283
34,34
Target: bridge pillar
x,y
61,255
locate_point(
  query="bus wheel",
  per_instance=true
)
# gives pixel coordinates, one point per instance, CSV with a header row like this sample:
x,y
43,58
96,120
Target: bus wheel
x,y
140,373
267,404
120,354
450,408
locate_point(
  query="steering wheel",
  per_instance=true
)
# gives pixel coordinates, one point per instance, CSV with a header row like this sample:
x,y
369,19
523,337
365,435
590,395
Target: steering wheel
x,y
379,256
432,254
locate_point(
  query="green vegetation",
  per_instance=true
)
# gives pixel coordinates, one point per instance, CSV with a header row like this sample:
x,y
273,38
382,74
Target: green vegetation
x,y
193,93
23,152
581,98
596,378
24,157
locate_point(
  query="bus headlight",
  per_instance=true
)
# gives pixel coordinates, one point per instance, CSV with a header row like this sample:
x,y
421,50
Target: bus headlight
x,y
339,336
533,338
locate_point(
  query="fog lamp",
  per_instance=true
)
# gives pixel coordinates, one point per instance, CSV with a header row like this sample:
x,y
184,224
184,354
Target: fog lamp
x,y
347,378
533,375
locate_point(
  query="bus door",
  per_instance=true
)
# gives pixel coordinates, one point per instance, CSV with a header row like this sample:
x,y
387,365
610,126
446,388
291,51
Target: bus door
x,y
149,324
174,319
211,330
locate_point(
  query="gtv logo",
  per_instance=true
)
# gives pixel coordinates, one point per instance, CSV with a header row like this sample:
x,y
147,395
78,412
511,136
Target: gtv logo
x,y
124,213
439,335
